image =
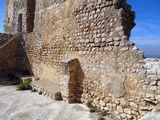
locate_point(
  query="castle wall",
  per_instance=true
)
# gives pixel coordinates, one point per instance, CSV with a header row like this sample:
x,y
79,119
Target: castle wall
x,y
96,33
8,61
8,28
13,58
19,16
112,74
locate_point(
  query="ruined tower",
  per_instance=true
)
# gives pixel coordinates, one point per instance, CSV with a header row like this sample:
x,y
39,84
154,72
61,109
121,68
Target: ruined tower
x,y
19,16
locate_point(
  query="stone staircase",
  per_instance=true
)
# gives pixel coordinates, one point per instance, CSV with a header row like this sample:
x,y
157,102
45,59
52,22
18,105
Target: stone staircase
x,y
6,38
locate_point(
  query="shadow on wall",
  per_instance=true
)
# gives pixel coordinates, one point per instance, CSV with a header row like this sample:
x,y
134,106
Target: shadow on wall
x,y
80,78
13,58
23,64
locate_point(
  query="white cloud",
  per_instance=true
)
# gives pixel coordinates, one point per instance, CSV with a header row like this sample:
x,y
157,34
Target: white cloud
x,y
146,29
1,29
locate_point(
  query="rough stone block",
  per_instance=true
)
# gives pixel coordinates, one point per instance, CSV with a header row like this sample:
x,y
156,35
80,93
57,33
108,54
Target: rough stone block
x,y
152,77
149,95
119,109
134,105
69,80
102,103
151,72
116,85
127,110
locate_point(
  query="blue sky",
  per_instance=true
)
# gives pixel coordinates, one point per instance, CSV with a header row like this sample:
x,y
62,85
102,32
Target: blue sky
x,y
147,18
2,10
146,33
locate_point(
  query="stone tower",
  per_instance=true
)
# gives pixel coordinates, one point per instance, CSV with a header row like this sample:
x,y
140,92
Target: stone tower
x,y
19,16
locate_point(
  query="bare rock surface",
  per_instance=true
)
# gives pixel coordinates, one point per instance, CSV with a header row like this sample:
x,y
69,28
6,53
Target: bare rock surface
x,y
151,116
24,105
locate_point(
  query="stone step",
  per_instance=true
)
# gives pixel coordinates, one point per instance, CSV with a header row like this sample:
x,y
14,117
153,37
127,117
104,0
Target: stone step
x,y
47,89
4,38
26,78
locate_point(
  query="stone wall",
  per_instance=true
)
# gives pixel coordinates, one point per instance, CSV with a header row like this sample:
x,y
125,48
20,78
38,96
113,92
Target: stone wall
x,y
8,61
152,80
112,73
8,27
19,16
13,58
44,4
69,82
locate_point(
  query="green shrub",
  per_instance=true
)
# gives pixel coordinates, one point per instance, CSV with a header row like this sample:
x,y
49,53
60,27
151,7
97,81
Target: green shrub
x,y
89,105
24,86
27,85
21,86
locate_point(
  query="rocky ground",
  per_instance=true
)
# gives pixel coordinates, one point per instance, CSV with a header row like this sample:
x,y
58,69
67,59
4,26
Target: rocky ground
x,y
26,105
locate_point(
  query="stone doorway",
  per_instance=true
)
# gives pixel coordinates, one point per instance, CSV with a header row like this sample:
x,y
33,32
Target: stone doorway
x,y
20,23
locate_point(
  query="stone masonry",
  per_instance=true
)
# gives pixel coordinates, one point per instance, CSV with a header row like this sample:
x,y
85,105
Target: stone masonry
x,y
13,58
83,46
69,80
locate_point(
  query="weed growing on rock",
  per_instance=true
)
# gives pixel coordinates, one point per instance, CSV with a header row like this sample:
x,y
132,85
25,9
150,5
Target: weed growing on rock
x,y
24,86
91,107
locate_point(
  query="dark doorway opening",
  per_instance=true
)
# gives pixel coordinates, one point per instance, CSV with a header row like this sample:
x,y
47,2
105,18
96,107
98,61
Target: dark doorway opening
x,y
20,23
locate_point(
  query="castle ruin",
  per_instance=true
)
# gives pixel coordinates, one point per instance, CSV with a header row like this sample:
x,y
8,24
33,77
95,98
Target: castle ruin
x,y
83,47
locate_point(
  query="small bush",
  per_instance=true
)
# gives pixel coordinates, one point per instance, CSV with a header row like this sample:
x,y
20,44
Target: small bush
x,y
27,85
24,86
89,105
